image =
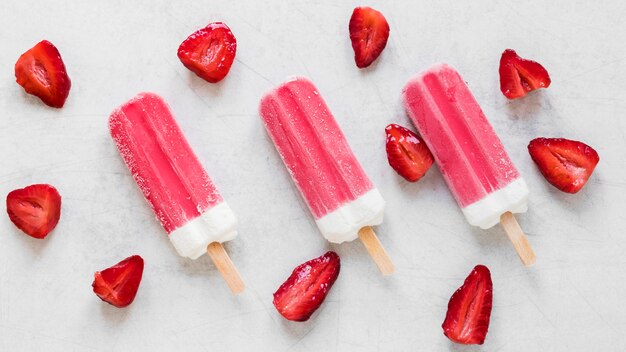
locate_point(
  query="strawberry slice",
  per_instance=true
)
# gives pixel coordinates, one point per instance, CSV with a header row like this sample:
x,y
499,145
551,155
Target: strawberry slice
x,y
42,73
519,76
469,309
305,290
566,164
118,284
209,52
35,209
407,153
369,32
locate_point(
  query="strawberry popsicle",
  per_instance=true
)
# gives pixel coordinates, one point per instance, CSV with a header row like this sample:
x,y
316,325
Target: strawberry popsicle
x,y
180,192
342,199
482,178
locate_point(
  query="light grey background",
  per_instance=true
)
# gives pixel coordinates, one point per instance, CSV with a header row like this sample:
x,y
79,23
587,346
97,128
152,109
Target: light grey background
x,y
573,299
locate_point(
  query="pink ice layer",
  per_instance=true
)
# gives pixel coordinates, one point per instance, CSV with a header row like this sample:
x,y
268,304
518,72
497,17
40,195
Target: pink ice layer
x,y
465,146
313,147
161,161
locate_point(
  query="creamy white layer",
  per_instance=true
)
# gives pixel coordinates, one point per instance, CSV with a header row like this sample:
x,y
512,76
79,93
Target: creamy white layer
x,y
486,212
344,223
217,224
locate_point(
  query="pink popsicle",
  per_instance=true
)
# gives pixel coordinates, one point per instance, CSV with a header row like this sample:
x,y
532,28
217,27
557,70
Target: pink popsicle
x,y
467,150
313,147
161,161
171,178
336,189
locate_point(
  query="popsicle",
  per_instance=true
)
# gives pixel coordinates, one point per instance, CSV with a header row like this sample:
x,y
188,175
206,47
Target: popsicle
x,y
477,169
342,199
171,178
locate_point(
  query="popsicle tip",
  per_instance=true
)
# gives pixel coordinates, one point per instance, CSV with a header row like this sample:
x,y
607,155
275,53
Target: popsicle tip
x,y
289,84
435,69
295,78
140,98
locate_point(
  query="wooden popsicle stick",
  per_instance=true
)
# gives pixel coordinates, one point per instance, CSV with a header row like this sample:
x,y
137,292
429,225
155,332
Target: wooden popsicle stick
x,y
376,250
226,267
516,235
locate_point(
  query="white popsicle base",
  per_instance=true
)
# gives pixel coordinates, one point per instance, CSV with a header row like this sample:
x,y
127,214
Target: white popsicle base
x,y
344,223
486,212
217,224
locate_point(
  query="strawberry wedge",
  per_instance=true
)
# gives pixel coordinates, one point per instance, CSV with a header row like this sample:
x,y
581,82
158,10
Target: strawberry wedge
x,y
469,309
118,284
407,153
566,164
305,290
209,52
519,76
369,32
41,72
35,209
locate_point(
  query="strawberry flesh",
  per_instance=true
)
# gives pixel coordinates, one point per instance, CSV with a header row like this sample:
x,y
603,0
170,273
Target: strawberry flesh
x,y
209,52
35,209
118,284
369,32
566,164
469,309
305,290
407,153
519,76
41,72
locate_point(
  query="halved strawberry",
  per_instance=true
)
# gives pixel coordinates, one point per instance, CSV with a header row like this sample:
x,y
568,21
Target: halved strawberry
x,y
407,153
35,209
42,73
305,290
209,52
118,284
566,164
369,32
469,309
519,76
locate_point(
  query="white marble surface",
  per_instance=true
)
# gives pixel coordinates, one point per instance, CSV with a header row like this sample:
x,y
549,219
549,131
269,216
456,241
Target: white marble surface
x,y
573,299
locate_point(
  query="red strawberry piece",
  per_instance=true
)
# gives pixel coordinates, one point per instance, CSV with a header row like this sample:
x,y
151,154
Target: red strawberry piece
x,y
369,32
305,290
42,73
118,284
407,153
566,164
519,76
469,309
209,52
35,209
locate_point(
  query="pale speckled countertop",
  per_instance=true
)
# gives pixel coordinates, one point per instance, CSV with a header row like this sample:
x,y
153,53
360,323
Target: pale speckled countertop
x,y
571,300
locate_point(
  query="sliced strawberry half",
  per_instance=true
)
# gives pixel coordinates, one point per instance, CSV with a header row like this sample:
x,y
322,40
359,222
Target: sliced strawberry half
x,y
407,153
42,73
519,76
118,284
369,32
35,209
305,290
469,309
566,164
209,52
